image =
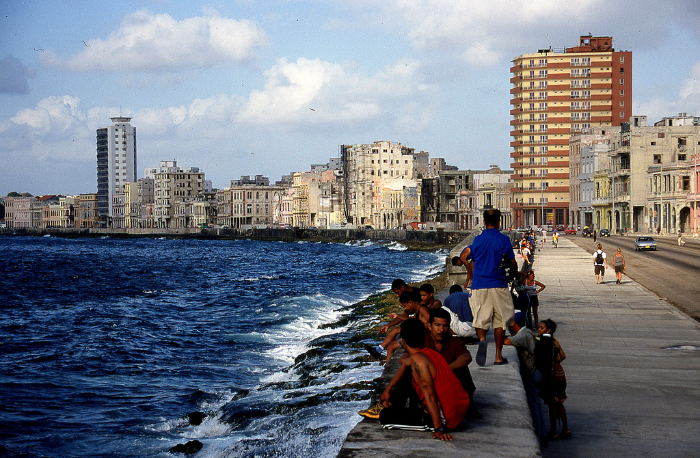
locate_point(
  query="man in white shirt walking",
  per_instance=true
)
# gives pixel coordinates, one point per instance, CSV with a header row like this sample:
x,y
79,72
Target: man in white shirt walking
x,y
599,264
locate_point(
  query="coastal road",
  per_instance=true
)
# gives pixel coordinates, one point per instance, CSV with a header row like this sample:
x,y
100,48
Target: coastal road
x,y
671,272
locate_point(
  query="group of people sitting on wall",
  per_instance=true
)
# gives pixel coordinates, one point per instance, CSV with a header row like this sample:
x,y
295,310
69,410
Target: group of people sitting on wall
x,y
433,389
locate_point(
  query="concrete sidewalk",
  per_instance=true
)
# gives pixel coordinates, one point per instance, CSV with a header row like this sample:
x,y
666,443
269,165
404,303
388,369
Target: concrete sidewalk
x,y
632,362
632,366
505,430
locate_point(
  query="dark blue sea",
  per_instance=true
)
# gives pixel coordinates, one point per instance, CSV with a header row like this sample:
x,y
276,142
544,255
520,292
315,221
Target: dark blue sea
x,y
126,348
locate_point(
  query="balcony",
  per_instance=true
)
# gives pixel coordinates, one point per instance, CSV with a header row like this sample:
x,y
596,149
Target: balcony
x,y
601,201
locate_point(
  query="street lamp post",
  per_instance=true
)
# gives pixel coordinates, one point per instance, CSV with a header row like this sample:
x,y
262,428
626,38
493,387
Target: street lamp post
x,y
661,198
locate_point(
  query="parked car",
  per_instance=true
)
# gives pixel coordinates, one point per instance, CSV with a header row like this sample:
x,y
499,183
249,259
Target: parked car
x,y
560,227
570,231
587,232
604,233
644,243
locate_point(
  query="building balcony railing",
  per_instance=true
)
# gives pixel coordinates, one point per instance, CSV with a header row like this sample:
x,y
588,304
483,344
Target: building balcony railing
x,y
622,198
620,172
600,201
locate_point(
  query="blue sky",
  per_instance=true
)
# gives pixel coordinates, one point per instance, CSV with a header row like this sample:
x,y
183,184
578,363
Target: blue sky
x,y
269,87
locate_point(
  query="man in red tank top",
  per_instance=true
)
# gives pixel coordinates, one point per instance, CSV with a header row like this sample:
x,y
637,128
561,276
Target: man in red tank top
x,y
438,389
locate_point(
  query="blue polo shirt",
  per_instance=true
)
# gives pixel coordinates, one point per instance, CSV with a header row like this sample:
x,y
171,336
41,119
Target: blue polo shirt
x,y
487,249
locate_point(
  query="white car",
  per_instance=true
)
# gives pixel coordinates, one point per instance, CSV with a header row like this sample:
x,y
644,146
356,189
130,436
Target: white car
x,y
644,243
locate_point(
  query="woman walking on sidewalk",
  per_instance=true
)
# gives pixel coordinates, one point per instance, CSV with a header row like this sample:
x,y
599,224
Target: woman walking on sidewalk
x,y
619,265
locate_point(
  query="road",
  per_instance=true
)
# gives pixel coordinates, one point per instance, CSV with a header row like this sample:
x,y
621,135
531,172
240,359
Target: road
x,y
671,272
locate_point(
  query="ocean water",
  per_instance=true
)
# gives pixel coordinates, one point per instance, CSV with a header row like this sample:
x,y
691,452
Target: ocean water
x,y
126,348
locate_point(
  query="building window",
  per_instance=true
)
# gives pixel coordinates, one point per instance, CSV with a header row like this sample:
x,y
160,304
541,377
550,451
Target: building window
x,y
622,92
622,59
622,70
622,81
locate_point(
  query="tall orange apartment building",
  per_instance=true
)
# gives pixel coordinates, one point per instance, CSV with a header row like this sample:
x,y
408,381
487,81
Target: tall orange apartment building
x,y
555,94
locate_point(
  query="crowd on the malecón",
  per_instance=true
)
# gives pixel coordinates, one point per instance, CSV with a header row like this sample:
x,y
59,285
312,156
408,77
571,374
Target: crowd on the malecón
x,y
433,389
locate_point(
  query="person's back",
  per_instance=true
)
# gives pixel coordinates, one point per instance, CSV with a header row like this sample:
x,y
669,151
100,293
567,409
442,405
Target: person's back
x,y
458,302
454,401
524,342
487,251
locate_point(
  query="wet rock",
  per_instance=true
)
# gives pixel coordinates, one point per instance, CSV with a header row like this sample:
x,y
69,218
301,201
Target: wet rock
x,y
189,448
196,418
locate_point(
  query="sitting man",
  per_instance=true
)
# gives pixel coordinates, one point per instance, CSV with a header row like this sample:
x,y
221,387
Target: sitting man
x,y
461,318
411,302
454,351
437,398
427,296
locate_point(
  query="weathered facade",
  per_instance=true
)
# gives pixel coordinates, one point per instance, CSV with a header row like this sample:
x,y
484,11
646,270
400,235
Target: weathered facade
x,y
373,172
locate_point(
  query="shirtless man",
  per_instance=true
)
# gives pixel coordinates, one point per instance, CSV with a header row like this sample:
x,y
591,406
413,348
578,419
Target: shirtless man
x,y
441,401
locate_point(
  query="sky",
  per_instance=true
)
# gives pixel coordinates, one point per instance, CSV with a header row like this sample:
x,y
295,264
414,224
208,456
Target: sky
x,y
270,87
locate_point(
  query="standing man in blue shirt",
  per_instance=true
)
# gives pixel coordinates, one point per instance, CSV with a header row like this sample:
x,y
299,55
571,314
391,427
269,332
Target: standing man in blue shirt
x,y
491,304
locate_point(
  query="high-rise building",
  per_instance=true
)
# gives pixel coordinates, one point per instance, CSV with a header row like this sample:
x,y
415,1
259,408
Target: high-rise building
x,y
116,163
557,93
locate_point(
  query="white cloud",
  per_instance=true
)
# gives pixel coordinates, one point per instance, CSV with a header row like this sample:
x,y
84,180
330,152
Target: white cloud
x,y
51,115
158,42
486,33
690,88
315,91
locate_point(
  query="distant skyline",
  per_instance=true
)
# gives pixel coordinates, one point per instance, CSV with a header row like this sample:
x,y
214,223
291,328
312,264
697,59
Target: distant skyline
x,y
252,87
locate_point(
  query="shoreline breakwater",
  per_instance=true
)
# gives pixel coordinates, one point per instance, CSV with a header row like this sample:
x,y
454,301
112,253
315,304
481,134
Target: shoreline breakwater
x,y
413,239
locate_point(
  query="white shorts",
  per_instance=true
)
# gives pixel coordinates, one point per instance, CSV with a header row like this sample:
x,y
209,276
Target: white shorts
x,y
460,328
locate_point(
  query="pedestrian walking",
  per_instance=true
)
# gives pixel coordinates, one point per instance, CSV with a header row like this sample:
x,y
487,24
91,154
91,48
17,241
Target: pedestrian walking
x,y
491,302
599,264
619,265
595,236
681,242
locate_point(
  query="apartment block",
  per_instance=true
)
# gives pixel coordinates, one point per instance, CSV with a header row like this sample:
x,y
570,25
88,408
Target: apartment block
x,y
373,172
556,93
139,200
9,211
638,178
249,203
661,158
86,215
173,185
116,164
490,189
590,194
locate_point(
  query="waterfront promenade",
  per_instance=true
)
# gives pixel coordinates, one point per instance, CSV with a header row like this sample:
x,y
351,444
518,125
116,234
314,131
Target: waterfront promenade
x,y
632,366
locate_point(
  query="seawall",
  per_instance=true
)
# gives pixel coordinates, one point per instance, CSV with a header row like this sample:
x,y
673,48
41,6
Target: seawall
x,y
438,237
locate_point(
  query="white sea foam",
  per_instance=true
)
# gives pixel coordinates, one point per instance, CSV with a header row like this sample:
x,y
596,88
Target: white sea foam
x,y
360,243
396,246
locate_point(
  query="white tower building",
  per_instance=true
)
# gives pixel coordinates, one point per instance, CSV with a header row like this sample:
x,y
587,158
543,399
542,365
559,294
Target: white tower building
x,y
116,163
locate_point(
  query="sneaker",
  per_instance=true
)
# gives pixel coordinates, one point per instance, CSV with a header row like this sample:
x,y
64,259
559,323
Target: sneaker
x,y
373,351
372,412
